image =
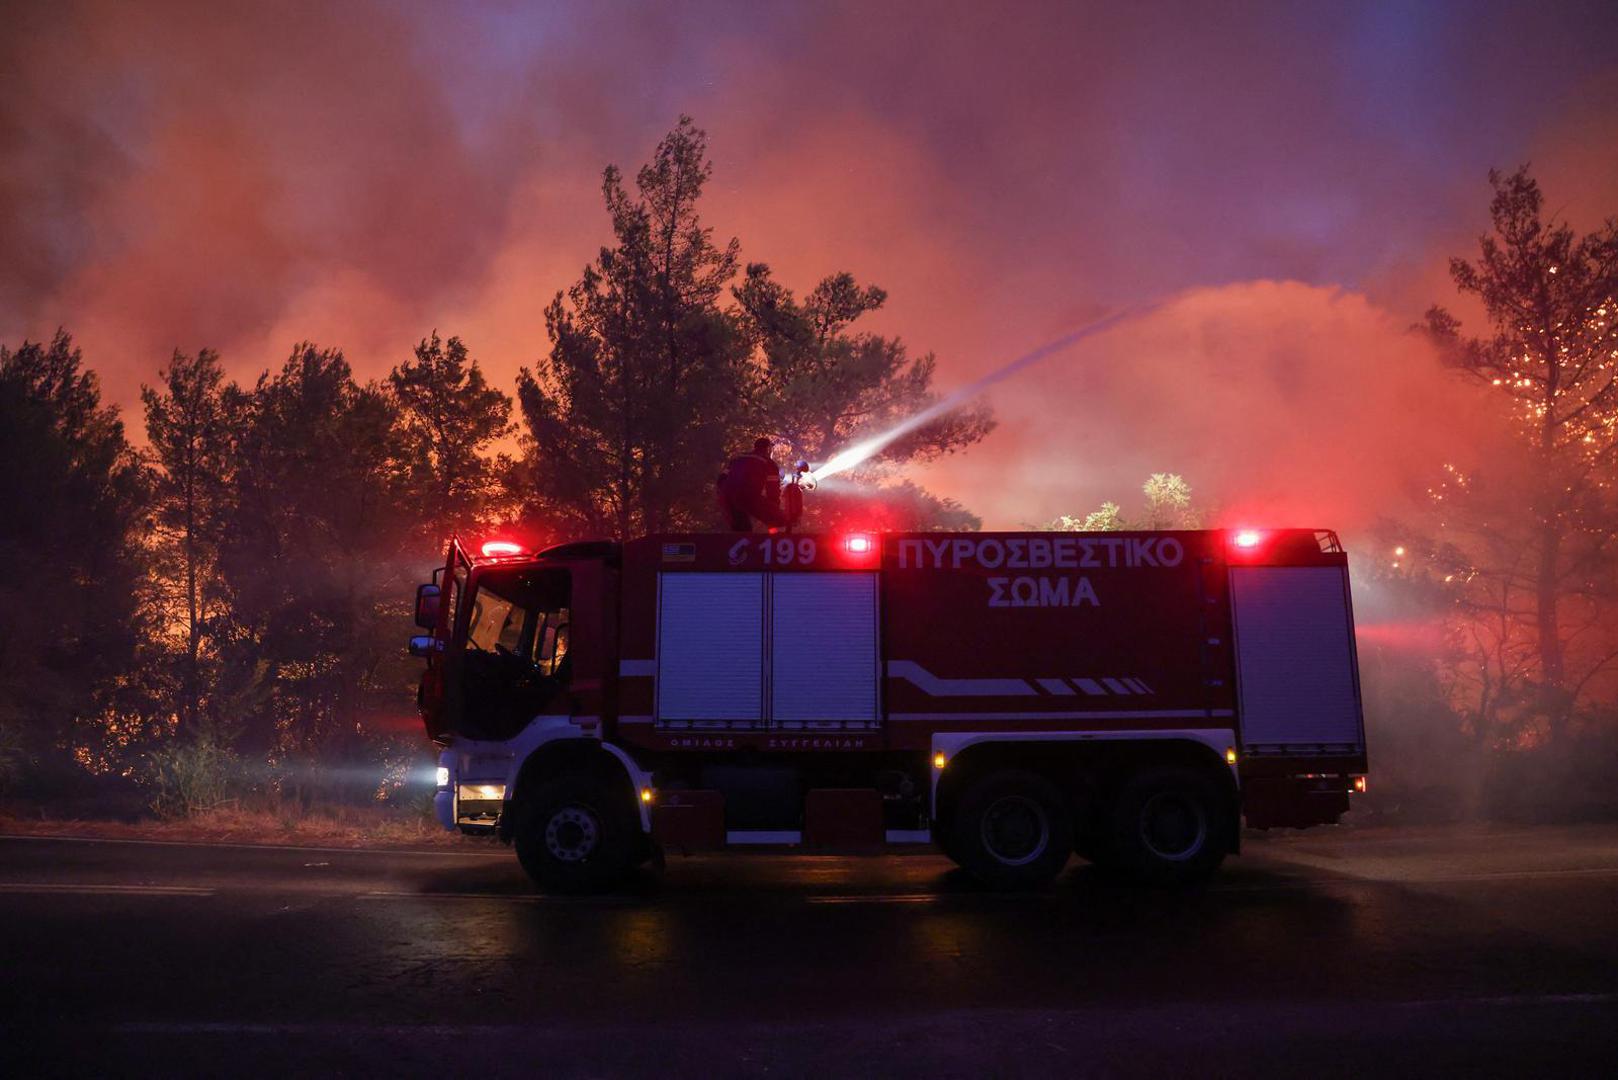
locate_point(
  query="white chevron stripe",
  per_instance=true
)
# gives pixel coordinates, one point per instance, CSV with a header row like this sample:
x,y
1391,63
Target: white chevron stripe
x,y
920,677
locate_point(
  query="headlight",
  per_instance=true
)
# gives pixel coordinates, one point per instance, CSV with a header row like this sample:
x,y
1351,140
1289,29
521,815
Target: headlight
x,y
443,776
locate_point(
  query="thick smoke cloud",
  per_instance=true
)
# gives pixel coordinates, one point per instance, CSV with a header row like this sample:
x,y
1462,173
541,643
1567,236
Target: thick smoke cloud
x,y
1291,403
1286,183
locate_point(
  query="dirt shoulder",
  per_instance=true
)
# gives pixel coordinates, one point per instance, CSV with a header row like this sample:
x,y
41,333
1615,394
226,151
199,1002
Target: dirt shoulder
x,y
355,830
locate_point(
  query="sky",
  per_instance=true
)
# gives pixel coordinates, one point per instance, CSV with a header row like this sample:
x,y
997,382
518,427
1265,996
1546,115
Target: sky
x,y
1275,188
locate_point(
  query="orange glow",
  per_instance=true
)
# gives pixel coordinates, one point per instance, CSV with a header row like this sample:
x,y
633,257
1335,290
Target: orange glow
x,y
939,761
1359,784
646,794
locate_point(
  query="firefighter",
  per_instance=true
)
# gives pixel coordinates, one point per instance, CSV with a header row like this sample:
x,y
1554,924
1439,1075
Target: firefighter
x,y
750,489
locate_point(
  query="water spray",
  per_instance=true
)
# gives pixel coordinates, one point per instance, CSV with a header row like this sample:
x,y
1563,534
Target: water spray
x,y
862,451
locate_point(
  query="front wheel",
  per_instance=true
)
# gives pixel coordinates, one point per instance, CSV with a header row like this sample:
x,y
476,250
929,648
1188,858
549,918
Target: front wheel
x,y
1170,826
578,834
1012,830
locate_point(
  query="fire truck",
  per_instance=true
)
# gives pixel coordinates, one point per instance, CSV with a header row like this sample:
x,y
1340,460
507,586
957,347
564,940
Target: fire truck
x,y
1012,698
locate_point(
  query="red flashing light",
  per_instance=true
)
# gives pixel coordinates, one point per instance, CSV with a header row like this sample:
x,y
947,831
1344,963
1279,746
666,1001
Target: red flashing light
x,y
859,544
494,549
1247,538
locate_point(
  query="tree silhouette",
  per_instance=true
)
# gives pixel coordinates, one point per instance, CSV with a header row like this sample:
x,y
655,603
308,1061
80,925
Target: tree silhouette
x,y
651,383
820,385
74,492
626,421
313,557
449,417
190,420
1542,568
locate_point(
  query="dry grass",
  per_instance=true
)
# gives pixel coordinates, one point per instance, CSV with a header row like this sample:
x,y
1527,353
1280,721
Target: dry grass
x,y
339,826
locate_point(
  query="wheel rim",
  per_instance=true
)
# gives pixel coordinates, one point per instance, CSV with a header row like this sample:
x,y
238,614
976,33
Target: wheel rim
x,y
1015,830
1173,826
572,833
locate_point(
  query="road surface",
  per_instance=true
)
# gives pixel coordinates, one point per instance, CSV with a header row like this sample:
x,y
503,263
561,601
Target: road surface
x,y
1313,954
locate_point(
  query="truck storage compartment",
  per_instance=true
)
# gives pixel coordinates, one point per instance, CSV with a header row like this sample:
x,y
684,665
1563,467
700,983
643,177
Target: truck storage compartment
x,y
842,818
795,651
823,670
688,821
1296,677
710,648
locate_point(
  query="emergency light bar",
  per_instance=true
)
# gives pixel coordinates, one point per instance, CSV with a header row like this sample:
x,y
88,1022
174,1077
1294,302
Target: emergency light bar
x,y
494,549
859,544
1247,538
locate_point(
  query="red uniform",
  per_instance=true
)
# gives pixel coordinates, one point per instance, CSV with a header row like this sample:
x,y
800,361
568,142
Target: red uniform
x,y
750,489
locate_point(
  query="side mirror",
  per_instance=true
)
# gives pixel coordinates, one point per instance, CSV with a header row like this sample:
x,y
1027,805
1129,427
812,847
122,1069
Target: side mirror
x,y
427,606
422,645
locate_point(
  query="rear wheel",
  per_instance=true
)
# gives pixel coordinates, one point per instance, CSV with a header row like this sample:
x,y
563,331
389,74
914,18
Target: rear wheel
x,y
578,834
1170,826
1012,830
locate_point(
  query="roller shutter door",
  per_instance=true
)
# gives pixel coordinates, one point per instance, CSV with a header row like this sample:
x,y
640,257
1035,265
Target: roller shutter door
x,y
1295,659
823,643
710,648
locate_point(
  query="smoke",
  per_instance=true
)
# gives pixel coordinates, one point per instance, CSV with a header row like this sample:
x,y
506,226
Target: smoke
x,y
245,176
1284,403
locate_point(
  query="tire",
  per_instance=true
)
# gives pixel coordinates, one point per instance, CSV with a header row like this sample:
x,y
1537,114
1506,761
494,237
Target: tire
x,y
944,840
1170,826
1012,830
578,834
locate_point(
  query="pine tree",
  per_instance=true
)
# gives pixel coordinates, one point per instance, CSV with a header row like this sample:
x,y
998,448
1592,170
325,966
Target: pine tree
x,y
313,557
449,418
821,386
188,429
76,498
628,419
1552,303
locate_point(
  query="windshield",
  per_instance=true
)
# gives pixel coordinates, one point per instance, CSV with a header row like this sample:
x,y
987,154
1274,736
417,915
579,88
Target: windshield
x,y
524,616
516,659
496,623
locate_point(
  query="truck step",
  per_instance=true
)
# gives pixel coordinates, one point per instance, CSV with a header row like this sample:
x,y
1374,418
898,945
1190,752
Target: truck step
x,y
763,836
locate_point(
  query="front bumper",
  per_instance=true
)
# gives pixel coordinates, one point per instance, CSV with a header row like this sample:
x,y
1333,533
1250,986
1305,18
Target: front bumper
x,y
444,800
472,806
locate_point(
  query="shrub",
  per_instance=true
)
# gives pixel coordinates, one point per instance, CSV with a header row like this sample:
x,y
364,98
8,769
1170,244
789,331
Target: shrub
x,y
193,776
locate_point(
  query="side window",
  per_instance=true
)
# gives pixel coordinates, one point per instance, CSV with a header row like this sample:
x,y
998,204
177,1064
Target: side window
x,y
551,642
457,588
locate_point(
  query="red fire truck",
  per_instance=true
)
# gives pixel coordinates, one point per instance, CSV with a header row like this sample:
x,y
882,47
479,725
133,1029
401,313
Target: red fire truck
x,y
1013,698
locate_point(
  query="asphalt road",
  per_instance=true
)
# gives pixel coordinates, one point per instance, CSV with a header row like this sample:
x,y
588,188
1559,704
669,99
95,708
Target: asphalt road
x,y
1313,954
